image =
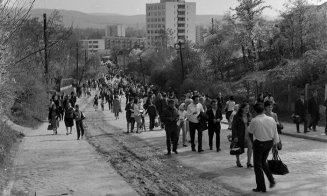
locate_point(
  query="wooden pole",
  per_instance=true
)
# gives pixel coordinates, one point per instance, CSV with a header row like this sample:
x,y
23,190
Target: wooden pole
x,y
46,64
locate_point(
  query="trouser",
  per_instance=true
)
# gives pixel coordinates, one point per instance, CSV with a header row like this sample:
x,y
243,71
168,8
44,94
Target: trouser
x,y
304,119
260,155
182,126
211,132
152,120
193,127
132,123
326,124
314,121
79,128
171,137
161,122
110,105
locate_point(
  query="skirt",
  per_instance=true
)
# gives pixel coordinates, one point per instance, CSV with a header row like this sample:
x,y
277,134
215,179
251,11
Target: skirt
x,y
69,122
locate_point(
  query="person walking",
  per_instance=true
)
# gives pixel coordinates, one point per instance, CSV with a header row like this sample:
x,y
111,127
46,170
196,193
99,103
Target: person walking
x,y
181,123
214,118
137,114
116,107
264,131
193,112
54,118
152,112
69,118
301,113
96,102
240,133
129,110
313,109
229,108
170,118
79,117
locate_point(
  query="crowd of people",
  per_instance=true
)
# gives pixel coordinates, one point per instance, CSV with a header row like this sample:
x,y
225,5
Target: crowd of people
x,y
254,126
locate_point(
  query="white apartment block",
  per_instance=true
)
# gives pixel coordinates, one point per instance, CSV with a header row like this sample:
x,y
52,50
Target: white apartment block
x,y
174,16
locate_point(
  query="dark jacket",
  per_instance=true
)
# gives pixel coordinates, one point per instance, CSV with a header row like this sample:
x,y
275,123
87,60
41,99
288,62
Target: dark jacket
x,y
170,117
128,109
211,117
301,108
238,130
152,111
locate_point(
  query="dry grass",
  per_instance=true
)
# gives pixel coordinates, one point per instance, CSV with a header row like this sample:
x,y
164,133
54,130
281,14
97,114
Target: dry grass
x,y
8,141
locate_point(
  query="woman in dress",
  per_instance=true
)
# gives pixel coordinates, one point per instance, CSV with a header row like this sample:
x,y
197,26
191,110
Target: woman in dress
x,y
240,134
116,107
181,123
69,118
137,114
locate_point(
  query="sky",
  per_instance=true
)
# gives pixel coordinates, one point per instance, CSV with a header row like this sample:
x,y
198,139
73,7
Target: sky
x,y
134,7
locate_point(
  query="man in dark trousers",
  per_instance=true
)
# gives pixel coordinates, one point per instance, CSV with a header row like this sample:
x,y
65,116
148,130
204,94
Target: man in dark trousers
x,y
214,117
263,130
79,117
313,109
170,118
152,111
301,113
129,110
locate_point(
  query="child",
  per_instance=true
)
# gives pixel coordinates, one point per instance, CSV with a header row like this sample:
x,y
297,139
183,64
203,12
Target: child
x,y
96,103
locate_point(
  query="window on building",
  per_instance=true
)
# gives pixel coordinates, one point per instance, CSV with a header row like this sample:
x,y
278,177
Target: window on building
x,y
181,13
181,31
149,14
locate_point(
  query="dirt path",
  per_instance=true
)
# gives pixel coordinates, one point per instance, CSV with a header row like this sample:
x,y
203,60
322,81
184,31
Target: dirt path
x,y
144,166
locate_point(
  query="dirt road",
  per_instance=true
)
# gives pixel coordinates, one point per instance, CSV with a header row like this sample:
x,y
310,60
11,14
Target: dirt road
x,y
143,166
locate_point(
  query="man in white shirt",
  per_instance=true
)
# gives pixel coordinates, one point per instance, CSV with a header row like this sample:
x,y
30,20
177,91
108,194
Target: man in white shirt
x,y
193,112
265,136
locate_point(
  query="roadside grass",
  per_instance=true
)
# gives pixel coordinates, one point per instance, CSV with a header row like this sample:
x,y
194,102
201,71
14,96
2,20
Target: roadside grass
x,y
8,141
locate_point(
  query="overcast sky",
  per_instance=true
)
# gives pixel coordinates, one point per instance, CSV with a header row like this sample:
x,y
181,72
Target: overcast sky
x,y
133,7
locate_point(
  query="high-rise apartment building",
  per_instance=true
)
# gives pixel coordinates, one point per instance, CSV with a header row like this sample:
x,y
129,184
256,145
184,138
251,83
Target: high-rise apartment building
x,y
172,19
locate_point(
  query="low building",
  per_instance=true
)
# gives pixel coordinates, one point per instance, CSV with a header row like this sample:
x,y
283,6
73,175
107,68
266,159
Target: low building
x,y
93,45
115,31
123,42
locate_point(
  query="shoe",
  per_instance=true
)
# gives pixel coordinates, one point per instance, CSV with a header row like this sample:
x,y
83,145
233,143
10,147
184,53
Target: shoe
x,y
67,133
298,132
309,128
218,150
200,150
272,185
249,165
77,138
184,145
193,149
210,148
239,164
175,151
257,190
168,153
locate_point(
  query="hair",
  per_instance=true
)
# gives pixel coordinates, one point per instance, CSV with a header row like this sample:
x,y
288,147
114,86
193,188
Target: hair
x,y
231,98
136,100
268,103
240,109
194,97
214,101
258,108
77,106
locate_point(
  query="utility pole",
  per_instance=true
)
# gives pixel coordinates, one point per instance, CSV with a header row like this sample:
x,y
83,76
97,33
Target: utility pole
x,y
46,63
77,63
212,26
181,54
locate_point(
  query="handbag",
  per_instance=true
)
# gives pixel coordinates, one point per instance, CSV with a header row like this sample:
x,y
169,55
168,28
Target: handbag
x,y
49,127
235,149
276,166
280,127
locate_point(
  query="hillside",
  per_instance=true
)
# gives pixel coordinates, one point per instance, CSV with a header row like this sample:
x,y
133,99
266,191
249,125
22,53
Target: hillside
x,y
99,20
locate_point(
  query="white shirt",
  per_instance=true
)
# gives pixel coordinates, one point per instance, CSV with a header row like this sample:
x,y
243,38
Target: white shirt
x,y
194,108
264,129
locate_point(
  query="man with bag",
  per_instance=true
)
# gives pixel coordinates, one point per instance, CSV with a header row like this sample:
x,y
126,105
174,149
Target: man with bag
x,y
263,129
